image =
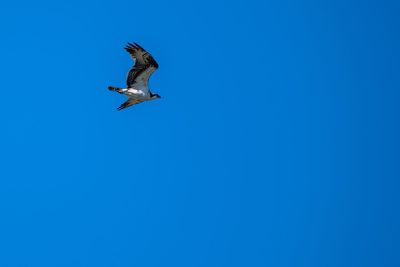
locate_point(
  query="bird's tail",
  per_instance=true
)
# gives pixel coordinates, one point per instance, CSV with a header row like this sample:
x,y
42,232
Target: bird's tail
x,y
117,89
112,88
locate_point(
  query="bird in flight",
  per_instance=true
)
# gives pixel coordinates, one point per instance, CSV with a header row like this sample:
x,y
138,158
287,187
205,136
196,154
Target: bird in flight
x,y
138,77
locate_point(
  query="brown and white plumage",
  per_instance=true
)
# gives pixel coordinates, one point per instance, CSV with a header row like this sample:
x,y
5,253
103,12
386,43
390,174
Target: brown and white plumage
x,y
138,77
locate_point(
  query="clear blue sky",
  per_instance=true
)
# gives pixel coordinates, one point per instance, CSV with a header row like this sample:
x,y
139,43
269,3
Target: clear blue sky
x,y
275,142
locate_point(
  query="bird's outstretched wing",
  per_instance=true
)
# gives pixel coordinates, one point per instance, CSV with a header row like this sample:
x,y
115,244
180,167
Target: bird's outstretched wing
x,y
144,66
129,102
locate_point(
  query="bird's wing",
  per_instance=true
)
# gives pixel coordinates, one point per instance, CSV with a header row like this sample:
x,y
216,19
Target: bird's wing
x,y
128,103
144,66
141,80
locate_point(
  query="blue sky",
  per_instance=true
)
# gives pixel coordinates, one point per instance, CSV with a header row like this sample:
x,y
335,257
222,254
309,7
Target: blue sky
x,y
275,142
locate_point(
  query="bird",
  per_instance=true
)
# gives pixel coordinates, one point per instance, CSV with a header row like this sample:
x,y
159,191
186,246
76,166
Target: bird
x,y
138,77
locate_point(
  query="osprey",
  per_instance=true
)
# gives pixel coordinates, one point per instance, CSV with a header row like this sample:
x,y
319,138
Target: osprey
x,y
138,77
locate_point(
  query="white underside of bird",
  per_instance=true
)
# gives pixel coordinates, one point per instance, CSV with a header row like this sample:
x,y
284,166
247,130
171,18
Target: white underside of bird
x,y
135,96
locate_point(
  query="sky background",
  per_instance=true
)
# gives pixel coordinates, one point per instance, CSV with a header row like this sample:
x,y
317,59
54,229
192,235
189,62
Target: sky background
x,y
275,142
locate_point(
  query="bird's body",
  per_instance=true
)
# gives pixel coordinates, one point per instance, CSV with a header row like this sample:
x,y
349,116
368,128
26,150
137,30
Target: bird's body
x,y
138,77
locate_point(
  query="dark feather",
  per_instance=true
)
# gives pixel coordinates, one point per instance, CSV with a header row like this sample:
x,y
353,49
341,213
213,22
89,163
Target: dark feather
x,y
128,103
143,61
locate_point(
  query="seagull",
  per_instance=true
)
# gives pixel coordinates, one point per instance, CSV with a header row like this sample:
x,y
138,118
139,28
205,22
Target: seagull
x,y
138,77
